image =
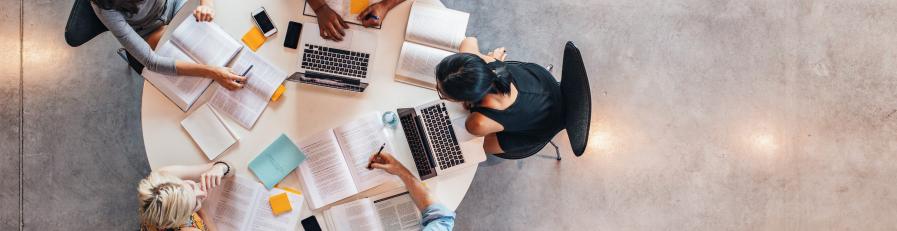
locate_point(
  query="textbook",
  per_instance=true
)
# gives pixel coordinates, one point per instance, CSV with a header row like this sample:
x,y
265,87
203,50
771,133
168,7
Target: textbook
x,y
241,203
246,105
433,33
389,211
337,160
195,42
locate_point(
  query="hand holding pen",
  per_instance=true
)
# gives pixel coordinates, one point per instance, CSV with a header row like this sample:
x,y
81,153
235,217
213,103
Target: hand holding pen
x,y
374,14
375,157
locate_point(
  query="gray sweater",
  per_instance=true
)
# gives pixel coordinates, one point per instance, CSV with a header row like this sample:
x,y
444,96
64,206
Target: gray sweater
x,y
129,29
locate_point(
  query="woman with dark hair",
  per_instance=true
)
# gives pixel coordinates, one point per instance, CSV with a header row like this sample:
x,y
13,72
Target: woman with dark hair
x,y
514,105
139,24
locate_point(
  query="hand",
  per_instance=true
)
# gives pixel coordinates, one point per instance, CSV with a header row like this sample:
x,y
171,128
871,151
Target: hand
x,y
377,10
389,164
212,177
227,78
499,54
204,13
331,24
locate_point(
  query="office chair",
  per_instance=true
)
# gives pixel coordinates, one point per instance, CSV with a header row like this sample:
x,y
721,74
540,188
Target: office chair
x,y
83,25
577,101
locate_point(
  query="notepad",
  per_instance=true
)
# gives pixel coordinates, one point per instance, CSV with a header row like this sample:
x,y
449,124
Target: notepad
x,y
277,161
254,38
209,132
280,203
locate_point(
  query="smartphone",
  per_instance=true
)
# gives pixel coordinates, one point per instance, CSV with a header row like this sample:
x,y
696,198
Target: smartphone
x,y
292,39
263,22
311,224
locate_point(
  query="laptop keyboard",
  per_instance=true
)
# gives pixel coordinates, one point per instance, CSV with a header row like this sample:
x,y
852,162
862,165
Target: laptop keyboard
x,y
418,147
335,61
442,136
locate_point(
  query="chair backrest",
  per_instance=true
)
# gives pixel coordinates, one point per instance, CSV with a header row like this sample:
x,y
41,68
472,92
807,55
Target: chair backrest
x,y
83,24
577,98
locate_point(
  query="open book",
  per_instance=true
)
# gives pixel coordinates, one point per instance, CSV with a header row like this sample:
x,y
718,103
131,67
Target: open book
x,y
346,9
337,160
196,42
240,203
433,33
393,212
246,105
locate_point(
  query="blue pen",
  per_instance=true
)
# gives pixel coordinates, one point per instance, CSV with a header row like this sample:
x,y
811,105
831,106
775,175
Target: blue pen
x,y
371,16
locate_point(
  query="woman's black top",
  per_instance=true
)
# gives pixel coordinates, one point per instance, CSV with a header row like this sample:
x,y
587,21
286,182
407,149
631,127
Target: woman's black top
x,y
537,113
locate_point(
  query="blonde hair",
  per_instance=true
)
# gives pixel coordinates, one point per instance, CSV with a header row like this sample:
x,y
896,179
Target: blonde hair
x,y
164,201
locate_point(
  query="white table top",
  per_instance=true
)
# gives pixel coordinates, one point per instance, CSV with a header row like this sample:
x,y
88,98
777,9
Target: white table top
x,y
303,110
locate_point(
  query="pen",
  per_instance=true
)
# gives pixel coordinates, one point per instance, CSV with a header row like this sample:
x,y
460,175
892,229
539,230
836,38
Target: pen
x,y
247,71
378,154
371,16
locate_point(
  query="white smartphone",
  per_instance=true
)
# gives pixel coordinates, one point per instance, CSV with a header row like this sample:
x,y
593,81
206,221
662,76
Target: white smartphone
x,y
263,22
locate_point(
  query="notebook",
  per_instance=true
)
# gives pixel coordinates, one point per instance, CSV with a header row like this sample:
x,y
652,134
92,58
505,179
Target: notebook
x,y
196,42
347,9
433,33
240,203
277,161
212,135
337,162
246,105
393,212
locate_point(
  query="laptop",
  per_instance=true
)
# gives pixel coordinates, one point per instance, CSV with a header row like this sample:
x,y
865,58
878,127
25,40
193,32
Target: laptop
x,y
436,140
342,65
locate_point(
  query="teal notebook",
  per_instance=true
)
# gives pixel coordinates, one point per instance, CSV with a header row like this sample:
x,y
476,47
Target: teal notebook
x,y
277,161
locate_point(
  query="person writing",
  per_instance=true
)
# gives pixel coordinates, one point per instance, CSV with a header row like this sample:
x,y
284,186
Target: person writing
x,y
514,105
170,198
435,216
139,25
332,25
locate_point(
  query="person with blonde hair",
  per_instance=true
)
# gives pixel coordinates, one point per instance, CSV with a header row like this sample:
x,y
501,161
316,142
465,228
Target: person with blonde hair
x,y
170,198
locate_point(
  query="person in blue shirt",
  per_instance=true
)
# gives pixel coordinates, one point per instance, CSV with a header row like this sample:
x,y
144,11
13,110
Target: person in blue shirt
x,y
435,216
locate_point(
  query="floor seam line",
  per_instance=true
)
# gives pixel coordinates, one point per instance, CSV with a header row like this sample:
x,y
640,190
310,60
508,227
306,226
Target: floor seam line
x,y
22,115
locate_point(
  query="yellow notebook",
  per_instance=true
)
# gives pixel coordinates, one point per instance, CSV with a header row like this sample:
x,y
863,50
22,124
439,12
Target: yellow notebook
x,y
254,38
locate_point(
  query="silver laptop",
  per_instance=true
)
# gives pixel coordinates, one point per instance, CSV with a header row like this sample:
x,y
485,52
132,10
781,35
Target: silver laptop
x,y
436,140
343,65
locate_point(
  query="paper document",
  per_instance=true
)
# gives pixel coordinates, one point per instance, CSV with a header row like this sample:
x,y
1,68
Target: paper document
x,y
206,41
337,161
182,90
433,32
395,212
277,161
208,131
247,104
240,203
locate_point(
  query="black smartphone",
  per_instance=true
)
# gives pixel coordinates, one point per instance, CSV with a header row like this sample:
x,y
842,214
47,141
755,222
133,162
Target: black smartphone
x,y
311,224
292,39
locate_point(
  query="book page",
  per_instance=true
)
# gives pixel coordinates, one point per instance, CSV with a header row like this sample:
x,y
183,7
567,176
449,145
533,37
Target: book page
x,y
227,203
417,64
324,174
206,42
398,212
263,218
438,27
358,215
182,90
247,104
359,140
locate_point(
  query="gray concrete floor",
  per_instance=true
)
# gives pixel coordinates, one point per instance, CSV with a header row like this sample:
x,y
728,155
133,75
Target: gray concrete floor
x,y
708,115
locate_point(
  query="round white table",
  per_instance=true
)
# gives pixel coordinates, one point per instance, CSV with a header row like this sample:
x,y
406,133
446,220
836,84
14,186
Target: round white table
x,y
303,110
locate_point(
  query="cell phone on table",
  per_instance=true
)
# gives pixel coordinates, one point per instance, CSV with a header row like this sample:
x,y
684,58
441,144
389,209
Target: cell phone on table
x,y
311,224
292,39
263,22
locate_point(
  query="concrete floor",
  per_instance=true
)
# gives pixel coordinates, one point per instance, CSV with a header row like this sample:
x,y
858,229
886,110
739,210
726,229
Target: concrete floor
x,y
708,115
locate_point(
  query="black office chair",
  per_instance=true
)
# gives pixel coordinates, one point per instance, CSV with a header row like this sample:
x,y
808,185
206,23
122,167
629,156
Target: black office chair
x,y
83,25
577,107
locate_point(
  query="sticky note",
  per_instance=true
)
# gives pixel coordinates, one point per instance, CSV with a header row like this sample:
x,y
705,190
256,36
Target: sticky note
x,y
280,203
357,6
254,38
289,189
278,93
276,161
